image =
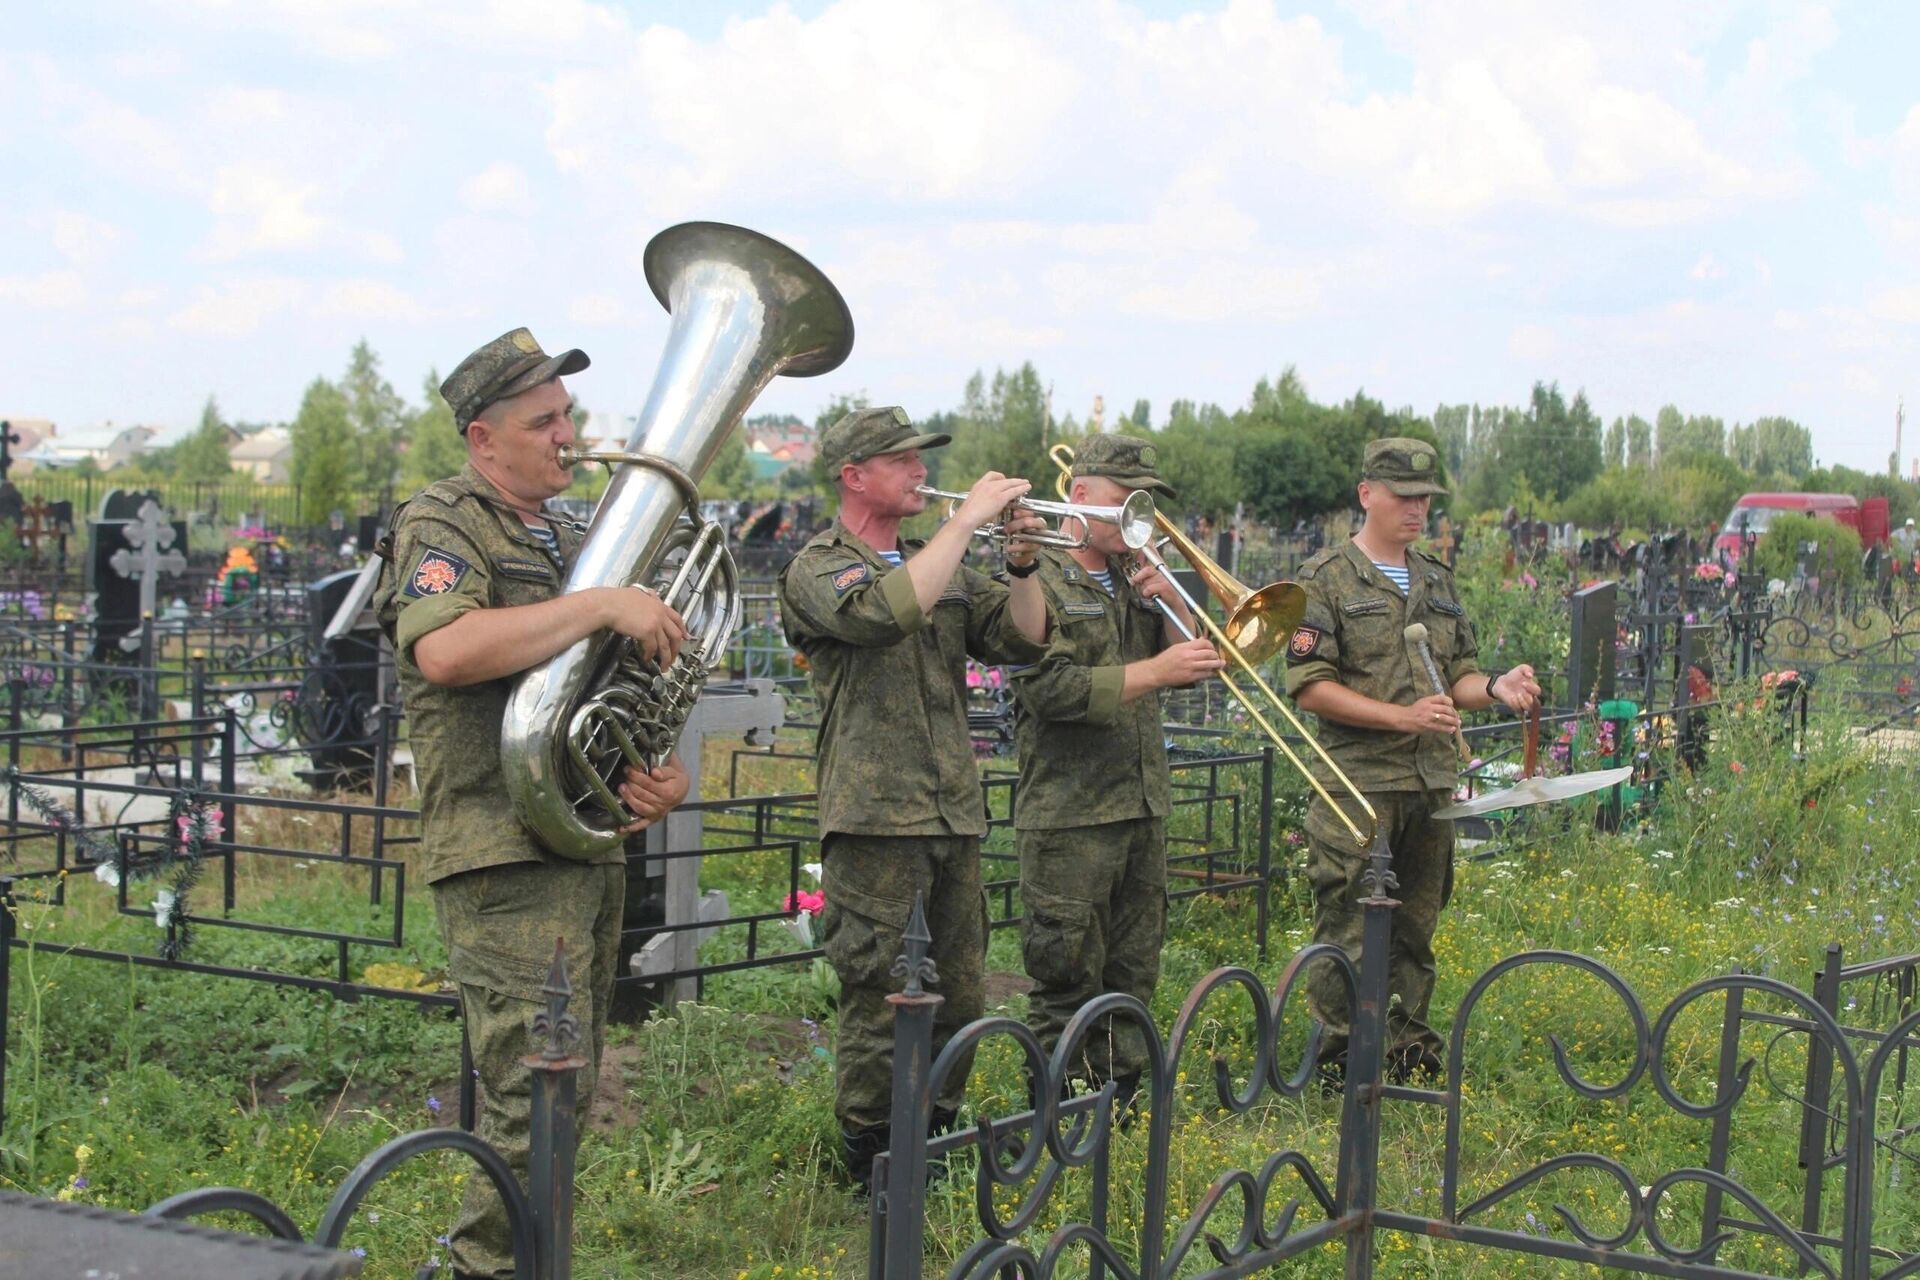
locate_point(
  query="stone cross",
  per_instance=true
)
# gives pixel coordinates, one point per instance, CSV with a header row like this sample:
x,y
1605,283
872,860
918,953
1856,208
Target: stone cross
x,y
150,536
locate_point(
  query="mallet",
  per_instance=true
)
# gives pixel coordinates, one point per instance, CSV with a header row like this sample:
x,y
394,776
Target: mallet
x,y
1417,633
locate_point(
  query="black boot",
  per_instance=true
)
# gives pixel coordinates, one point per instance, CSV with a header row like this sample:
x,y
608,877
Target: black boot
x,y
858,1148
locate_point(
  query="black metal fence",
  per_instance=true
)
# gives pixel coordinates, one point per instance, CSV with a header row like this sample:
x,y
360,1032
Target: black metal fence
x,y
1251,1219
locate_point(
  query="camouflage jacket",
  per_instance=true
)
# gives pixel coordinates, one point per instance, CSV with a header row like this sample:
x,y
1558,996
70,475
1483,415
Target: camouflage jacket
x,y
1085,756
456,547
895,758
1354,632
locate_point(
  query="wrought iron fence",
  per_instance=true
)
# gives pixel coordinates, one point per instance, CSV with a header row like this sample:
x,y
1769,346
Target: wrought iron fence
x,y
1251,1219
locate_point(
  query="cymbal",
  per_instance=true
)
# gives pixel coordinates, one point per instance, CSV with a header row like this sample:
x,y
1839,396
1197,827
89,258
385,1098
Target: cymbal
x,y
1538,791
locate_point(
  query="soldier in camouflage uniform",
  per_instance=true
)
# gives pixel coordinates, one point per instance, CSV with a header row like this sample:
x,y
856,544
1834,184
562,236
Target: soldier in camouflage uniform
x,y
1090,808
469,598
1382,720
886,625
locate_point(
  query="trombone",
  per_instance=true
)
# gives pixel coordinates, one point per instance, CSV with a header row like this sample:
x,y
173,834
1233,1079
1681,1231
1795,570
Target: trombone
x,y
1135,518
1257,627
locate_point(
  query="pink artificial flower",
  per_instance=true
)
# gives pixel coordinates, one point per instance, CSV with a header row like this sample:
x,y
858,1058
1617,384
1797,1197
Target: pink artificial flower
x,y
813,903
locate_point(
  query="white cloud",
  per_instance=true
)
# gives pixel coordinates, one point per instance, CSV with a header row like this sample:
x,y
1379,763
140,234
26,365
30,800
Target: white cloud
x,y
1707,268
238,308
374,300
83,240
260,211
46,291
1532,344
1900,304
501,187
596,309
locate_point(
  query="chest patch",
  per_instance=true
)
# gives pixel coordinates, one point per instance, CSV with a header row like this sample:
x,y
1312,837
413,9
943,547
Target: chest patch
x,y
1305,644
1084,609
954,595
1361,608
531,570
1447,607
437,573
850,577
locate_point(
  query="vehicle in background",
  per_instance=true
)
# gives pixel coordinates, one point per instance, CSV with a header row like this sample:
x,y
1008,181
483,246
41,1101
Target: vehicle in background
x,y
1755,511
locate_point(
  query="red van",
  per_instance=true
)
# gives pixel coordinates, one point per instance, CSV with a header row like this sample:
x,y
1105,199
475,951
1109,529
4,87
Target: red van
x,y
1754,511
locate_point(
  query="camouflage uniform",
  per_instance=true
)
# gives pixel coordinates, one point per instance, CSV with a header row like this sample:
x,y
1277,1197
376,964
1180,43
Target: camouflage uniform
x,y
899,792
1090,807
1353,633
501,898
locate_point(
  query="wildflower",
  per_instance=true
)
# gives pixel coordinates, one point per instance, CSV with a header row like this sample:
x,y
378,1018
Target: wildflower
x,y
433,1104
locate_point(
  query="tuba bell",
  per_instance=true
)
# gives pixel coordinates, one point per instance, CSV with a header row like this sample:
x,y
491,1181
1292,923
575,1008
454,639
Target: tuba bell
x,y
745,309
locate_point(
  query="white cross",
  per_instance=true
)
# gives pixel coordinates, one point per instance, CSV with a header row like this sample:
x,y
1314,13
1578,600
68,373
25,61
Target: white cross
x,y
151,537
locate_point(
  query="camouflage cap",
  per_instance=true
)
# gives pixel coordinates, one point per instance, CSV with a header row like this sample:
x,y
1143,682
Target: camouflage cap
x,y
868,433
510,364
1408,467
1126,460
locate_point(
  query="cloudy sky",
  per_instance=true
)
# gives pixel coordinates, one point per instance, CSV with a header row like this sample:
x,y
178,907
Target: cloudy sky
x,y
1714,204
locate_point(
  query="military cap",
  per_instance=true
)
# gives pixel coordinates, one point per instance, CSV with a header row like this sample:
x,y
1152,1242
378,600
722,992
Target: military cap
x,y
510,364
1126,460
868,433
1408,467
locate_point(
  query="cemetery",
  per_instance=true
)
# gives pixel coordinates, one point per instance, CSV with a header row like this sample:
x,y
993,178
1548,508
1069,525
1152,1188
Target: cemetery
x,y
1682,1008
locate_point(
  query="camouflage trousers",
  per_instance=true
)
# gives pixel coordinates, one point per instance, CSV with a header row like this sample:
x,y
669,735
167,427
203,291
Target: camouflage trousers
x,y
1423,864
870,883
1096,917
499,924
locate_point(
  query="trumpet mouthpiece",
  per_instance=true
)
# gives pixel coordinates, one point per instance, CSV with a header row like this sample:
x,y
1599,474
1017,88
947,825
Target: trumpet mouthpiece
x,y
1416,632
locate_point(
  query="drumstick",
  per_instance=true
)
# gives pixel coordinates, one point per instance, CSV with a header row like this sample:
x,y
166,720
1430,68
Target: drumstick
x,y
1417,633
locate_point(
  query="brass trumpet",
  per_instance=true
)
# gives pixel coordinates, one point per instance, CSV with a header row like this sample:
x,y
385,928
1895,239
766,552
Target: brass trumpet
x,y
1258,625
1135,518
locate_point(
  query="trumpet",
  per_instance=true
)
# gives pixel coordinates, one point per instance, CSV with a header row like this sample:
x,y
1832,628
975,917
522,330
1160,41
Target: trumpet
x,y
1134,517
1258,625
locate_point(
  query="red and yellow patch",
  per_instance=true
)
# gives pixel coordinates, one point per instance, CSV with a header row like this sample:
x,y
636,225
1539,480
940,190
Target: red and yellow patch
x,y
849,577
1305,643
437,573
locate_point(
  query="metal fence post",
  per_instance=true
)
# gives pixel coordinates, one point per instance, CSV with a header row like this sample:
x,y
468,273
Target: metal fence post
x,y
904,1198
229,783
1359,1174
6,976
1262,904
551,1138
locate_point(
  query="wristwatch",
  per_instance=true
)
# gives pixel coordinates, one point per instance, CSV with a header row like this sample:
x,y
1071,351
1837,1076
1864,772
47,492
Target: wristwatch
x,y
1491,677
1026,570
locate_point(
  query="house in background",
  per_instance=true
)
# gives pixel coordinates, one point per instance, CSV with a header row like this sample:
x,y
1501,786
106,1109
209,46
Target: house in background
x,y
266,455
106,446
30,434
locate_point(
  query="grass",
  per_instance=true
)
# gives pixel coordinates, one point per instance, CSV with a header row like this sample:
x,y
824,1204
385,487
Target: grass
x,y
717,1158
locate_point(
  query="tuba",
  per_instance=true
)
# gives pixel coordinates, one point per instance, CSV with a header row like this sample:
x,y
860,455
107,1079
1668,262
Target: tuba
x,y
745,309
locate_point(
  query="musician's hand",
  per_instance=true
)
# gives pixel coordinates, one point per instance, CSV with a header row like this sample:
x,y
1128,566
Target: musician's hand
x,y
651,795
1151,584
1434,713
1517,688
991,494
1019,550
658,630
1188,662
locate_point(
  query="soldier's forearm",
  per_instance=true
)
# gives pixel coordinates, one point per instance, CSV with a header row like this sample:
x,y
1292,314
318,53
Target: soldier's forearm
x,y
1331,700
1029,606
486,644
931,570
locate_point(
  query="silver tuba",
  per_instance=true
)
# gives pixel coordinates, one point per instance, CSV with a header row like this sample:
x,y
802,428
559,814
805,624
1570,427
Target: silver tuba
x,y
745,309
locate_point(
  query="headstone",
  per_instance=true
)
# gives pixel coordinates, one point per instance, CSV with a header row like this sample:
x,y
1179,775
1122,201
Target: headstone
x,y
342,684
1591,656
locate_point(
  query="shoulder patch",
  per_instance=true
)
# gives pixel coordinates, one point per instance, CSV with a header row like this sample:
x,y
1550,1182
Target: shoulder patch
x,y
437,573
846,579
1304,645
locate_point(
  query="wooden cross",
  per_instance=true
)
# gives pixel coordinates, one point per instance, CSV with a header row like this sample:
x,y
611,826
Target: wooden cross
x,y
36,523
150,535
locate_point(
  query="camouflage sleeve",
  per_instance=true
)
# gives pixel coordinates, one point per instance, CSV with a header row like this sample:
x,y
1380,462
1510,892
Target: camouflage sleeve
x,y
439,574
992,636
1313,651
828,595
1465,659
1061,686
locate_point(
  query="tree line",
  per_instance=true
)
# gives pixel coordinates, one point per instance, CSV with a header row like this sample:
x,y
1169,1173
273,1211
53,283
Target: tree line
x,y
1281,458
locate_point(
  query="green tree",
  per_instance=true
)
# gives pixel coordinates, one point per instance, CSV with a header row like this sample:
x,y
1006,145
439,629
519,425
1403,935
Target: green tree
x,y
1613,450
1197,457
1003,426
1772,445
435,449
202,456
322,464
376,416
1639,441
732,472
1140,421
